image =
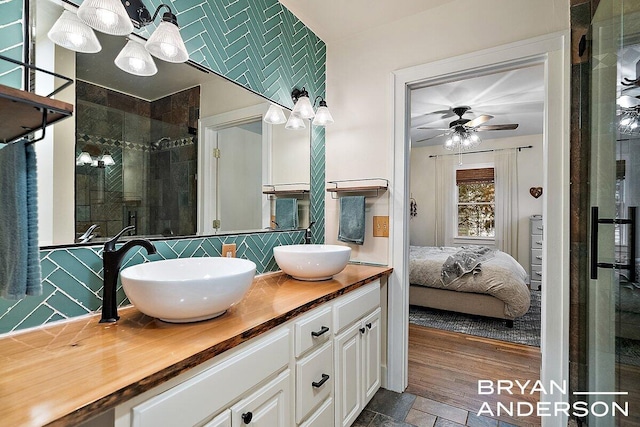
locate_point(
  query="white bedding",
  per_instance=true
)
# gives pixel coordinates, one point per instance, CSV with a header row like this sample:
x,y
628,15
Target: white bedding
x,y
500,276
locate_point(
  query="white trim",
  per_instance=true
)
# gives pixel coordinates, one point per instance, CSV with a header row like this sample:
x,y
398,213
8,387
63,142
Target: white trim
x,y
207,137
553,52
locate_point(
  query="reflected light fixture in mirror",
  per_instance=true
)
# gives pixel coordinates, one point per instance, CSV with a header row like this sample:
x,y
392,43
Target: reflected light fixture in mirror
x,y
112,17
275,115
294,123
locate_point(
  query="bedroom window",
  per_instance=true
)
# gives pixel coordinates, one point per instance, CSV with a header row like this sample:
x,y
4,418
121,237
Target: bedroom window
x,y
476,203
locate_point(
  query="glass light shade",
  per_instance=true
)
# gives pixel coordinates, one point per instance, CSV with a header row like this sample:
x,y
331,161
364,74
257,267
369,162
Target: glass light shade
x,y
73,34
166,43
107,16
275,115
303,108
84,159
294,123
323,117
134,59
107,160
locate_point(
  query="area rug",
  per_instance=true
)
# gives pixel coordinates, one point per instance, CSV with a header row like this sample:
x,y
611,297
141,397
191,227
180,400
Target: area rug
x,y
526,329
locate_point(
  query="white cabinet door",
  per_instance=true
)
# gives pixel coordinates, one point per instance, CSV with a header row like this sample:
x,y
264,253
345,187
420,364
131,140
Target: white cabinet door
x,y
222,420
371,355
348,368
269,406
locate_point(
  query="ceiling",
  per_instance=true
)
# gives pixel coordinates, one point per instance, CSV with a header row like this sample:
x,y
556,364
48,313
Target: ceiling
x,y
513,96
332,20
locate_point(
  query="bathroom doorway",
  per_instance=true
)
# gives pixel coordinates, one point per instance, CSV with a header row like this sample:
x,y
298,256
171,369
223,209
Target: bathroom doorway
x,y
551,52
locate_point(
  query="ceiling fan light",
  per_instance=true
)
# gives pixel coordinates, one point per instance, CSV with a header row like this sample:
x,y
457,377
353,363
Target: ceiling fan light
x,y
275,115
166,43
134,59
448,144
73,34
107,16
294,123
323,117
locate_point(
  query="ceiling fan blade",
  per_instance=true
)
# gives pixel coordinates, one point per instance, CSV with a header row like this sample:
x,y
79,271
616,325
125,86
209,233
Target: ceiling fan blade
x,y
510,126
626,101
431,137
478,121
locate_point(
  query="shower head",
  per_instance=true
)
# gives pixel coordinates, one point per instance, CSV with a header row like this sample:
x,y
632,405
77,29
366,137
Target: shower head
x,y
156,145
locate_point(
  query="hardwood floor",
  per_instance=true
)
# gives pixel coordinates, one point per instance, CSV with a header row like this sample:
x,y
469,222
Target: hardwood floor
x,y
446,366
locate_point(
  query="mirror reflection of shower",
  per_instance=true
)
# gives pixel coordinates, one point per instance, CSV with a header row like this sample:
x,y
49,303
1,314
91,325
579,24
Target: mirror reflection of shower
x,y
157,145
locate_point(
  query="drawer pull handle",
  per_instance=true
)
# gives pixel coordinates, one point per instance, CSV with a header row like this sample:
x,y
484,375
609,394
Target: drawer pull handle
x,y
322,331
539,257
324,379
368,325
362,330
539,228
539,242
538,273
247,417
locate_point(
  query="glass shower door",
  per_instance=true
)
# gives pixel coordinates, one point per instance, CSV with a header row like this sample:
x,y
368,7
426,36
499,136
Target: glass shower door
x,y
613,293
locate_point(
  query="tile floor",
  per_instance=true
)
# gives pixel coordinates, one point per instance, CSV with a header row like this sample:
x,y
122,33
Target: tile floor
x,y
391,409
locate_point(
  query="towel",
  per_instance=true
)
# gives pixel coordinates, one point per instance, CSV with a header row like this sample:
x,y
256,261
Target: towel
x,y
19,252
286,214
351,227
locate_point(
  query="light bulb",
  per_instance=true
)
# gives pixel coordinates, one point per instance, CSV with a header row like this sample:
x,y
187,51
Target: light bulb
x,y
455,138
136,64
448,143
169,50
625,121
107,17
466,142
475,138
634,125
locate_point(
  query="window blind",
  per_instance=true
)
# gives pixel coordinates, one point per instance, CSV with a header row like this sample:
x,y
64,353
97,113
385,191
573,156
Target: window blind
x,y
472,176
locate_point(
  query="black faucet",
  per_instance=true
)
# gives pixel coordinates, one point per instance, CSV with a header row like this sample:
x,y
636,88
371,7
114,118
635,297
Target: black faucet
x,y
111,262
307,234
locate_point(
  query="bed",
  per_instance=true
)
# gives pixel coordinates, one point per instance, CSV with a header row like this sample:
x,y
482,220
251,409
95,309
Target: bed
x,y
473,280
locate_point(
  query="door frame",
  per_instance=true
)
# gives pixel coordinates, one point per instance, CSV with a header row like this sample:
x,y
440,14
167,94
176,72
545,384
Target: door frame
x,y
553,52
208,128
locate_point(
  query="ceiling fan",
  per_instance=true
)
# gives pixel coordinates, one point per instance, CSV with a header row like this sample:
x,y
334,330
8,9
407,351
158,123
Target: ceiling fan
x,y
462,126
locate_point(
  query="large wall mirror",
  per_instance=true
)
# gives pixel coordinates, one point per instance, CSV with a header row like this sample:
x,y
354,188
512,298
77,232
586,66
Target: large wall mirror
x,y
184,152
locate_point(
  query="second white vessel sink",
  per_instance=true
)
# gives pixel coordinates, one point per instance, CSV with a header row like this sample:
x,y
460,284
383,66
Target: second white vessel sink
x,y
188,289
312,262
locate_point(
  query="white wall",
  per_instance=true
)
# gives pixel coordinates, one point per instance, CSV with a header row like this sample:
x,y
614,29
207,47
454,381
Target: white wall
x,y
423,190
359,91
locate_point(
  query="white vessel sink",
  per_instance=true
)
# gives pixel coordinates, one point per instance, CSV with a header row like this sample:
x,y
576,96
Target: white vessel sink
x,y
187,289
312,262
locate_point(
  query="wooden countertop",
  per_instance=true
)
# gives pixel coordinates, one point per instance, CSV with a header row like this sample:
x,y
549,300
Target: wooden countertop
x,y
65,373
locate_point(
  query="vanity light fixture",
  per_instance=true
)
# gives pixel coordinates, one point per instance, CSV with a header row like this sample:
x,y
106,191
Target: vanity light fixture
x,y
86,159
134,59
119,18
302,105
323,115
71,33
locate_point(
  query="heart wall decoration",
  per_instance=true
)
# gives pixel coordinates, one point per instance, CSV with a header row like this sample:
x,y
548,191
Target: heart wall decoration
x,y
536,191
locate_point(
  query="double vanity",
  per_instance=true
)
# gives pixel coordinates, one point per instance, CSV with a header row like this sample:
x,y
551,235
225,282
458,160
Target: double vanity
x,y
290,353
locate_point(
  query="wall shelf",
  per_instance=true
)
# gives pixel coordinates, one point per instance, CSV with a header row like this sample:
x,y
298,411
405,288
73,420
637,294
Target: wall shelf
x,y
22,113
358,186
286,189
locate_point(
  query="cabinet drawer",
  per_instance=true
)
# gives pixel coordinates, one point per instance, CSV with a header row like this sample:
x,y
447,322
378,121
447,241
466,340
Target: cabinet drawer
x,y
323,417
536,272
314,380
357,304
267,407
313,330
536,256
536,226
536,241
202,395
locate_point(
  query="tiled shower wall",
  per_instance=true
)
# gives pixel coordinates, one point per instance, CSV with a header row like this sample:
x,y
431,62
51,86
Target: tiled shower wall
x,y
256,43
152,184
